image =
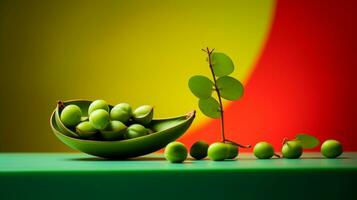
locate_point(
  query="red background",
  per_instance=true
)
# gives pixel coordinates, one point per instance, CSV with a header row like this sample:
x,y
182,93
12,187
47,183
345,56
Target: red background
x,y
304,81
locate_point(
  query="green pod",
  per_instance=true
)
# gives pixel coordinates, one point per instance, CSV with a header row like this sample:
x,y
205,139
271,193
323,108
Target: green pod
x,y
165,131
143,114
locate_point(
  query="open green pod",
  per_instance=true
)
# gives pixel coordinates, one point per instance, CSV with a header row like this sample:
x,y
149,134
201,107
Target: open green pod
x,y
165,131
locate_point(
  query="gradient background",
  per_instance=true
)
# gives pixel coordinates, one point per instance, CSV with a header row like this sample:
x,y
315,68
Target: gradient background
x,y
297,60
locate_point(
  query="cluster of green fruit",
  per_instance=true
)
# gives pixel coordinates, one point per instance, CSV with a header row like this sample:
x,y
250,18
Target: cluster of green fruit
x,y
176,152
294,149
117,123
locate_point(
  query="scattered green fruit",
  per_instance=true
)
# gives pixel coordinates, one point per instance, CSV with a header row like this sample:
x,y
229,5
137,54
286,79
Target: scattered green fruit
x,y
232,151
71,115
98,104
99,119
134,131
175,152
331,148
85,130
121,112
143,114
115,130
217,151
292,149
199,150
263,150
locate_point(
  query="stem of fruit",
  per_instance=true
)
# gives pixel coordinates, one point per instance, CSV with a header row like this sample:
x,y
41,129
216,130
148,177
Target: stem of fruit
x,y
60,105
239,145
277,155
209,52
284,140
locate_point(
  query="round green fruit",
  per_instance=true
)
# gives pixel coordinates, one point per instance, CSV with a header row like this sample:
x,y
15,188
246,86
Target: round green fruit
x,y
199,150
217,151
115,130
263,150
98,104
143,114
292,149
71,115
99,119
85,130
175,152
134,131
121,112
232,151
331,148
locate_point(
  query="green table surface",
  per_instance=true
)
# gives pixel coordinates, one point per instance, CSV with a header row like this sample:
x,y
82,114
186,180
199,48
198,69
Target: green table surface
x,y
76,175
77,162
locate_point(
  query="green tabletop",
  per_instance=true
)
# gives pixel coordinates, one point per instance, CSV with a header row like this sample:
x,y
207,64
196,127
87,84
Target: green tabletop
x,y
77,162
74,175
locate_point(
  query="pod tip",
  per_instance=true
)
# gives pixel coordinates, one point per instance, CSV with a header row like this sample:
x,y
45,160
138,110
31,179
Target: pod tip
x,y
191,114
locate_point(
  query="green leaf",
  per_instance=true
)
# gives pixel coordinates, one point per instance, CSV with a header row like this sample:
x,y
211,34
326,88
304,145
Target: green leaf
x,y
210,107
200,86
222,64
230,88
308,141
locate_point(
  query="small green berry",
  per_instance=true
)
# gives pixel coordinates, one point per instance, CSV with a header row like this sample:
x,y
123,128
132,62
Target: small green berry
x,y
218,151
232,151
331,148
85,130
263,150
143,114
292,149
71,115
98,104
134,131
176,152
115,130
99,119
121,112
199,150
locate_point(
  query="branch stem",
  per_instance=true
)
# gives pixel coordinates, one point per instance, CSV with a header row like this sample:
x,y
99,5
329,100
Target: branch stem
x,y
277,155
209,52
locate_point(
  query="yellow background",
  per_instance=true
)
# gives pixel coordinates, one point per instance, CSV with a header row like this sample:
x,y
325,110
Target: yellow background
x,y
140,52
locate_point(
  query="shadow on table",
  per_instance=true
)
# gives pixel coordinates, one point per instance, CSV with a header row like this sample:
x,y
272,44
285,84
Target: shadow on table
x,y
105,159
160,158
323,158
301,158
